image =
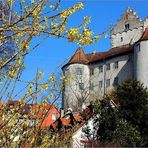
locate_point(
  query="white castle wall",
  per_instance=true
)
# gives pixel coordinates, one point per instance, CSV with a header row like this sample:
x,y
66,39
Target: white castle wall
x,y
132,65
126,37
72,92
141,62
127,30
145,23
124,71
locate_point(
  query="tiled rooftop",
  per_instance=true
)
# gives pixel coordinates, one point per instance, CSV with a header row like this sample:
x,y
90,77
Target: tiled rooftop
x,y
81,57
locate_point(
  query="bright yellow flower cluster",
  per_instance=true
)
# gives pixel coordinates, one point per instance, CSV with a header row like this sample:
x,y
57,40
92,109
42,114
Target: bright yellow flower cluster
x,y
70,11
52,78
79,6
30,89
86,41
73,34
87,32
12,72
44,86
84,38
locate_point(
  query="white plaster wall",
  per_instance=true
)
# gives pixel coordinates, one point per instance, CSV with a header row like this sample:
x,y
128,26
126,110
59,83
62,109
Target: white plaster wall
x,y
146,23
129,37
129,17
95,78
141,62
124,71
80,135
72,93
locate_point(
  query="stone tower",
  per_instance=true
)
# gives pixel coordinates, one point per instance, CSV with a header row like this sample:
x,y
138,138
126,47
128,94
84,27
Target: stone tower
x,y
128,29
92,75
141,59
77,86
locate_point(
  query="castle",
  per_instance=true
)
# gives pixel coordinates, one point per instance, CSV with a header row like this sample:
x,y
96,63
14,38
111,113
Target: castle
x,y
93,75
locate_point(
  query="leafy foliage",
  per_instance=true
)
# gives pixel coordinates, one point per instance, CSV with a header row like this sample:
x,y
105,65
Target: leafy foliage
x,y
23,20
126,123
132,97
20,22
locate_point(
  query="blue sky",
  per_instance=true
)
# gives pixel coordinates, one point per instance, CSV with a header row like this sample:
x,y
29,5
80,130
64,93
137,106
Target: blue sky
x,y
53,51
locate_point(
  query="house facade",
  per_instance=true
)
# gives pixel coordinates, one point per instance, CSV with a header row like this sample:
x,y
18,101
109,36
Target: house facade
x,y
90,76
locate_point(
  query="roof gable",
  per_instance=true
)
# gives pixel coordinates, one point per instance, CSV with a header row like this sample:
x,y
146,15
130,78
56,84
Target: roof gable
x,y
129,17
79,57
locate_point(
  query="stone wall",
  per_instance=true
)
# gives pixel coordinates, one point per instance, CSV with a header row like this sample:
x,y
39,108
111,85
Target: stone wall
x,y
77,87
124,71
127,30
141,62
126,37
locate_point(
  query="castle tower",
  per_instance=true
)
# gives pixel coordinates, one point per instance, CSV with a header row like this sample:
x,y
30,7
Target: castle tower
x,y
90,76
76,72
128,29
141,59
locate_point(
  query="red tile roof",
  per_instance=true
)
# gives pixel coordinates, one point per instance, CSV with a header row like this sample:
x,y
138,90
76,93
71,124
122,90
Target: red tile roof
x,y
1,104
79,57
145,35
13,102
42,109
66,122
45,113
34,106
78,118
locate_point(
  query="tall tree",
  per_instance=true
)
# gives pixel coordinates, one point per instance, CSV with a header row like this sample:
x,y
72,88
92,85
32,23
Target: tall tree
x,y
21,22
132,97
125,124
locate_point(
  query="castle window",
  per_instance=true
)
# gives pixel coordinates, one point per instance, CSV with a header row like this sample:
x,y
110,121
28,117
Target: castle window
x,y
79,71
121,39
81,86
116,65
100,84
116,81
108,66
126,26
100,68
91,86
91,71
107,82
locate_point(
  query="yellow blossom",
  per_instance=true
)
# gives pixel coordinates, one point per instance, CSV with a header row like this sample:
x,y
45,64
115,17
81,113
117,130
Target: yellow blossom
x,y
52,78
87,32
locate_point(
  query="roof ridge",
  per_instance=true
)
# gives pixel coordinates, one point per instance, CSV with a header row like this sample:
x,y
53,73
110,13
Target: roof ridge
x,y
79,57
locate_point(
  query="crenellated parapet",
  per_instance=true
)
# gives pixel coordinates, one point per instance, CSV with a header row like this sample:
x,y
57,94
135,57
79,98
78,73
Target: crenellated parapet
x,y
127,30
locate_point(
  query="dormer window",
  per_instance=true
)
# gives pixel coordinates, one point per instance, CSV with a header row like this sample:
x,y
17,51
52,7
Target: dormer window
x,y
126,26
